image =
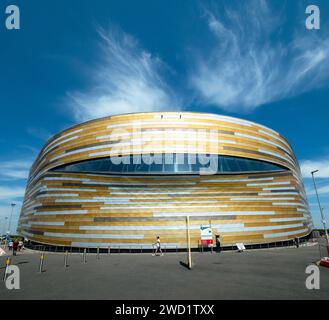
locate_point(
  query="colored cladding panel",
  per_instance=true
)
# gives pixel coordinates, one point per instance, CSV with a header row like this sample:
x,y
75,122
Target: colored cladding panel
x,y
256,195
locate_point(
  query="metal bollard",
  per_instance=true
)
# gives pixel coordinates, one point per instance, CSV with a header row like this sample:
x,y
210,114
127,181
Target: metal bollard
x,y
84,255
66,254
42,259
97,253
109,250
7,265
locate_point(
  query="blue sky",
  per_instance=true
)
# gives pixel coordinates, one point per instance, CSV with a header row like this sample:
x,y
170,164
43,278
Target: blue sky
x,y
75,60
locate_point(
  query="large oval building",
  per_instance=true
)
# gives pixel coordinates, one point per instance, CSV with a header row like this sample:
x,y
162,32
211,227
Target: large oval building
x,y
121,181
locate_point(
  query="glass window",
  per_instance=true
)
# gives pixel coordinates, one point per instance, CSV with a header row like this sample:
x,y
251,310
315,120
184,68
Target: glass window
x,y
169,164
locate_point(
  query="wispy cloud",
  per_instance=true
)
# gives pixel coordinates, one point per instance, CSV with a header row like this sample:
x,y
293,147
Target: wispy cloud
x,y
322,176
321,190
324,190
11,193
319,164
39,133
250,65
127,79
5,213
13,170
33,151
12,189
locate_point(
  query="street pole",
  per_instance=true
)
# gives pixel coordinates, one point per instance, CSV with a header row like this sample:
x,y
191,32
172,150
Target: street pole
x,y
321,211
212,240
5,233
189,242
11,215
4,227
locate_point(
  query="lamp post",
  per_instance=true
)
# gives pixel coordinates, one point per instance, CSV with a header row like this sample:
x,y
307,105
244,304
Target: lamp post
x,y
11,215
321,209
4,227
189,256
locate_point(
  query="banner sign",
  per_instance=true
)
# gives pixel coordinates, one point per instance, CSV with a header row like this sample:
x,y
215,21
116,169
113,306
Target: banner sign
x,y
206,234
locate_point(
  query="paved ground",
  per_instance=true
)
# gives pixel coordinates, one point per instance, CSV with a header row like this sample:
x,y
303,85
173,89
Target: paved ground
x,y
257,274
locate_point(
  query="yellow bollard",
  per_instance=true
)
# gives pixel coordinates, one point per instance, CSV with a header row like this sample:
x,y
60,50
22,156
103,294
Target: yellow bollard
x,y
8,261
85,255
189,242
66,254
42,259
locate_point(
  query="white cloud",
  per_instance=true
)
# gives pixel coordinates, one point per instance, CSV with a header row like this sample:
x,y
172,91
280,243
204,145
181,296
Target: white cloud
x,y
16,169
322,176
12,189
248,66
12,172
5,212
11,193
310,165
322,189
127,80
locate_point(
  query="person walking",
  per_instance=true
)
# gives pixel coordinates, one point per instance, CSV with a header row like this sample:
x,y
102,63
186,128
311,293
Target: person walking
x,y
158,247
218,248
20,245
15,247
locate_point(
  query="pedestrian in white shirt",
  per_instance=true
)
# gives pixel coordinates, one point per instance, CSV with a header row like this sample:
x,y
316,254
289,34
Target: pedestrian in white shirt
x,y
158,247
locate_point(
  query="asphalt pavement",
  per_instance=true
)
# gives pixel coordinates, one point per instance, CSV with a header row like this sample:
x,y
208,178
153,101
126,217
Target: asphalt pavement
x,y
255,274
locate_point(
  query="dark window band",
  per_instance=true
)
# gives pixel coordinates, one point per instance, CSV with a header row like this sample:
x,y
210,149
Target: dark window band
x,y
170,164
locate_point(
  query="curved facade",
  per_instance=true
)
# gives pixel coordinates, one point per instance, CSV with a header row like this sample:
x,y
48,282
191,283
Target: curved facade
x,y
120,181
